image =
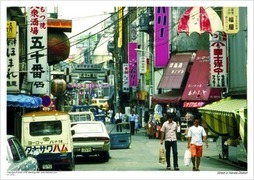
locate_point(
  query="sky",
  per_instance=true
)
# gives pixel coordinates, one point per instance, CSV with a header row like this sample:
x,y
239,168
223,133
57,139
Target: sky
x,y
83,14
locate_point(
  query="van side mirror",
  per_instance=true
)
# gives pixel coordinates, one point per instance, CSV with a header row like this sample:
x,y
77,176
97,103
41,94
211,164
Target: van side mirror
x,y
72,132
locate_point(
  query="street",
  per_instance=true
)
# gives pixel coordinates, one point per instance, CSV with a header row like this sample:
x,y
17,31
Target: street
x,y
144,156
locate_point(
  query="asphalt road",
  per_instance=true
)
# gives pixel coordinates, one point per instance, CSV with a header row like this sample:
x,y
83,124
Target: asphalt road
x,y
142,159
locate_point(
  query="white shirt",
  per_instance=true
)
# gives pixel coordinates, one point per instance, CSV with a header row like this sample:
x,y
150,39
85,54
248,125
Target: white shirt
x,y
118,116
196,134
170,130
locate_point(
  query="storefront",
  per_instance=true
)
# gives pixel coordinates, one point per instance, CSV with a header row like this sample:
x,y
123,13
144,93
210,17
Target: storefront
x,y
227,117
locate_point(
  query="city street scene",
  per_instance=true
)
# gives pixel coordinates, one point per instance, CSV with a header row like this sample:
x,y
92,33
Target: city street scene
x,y
134,92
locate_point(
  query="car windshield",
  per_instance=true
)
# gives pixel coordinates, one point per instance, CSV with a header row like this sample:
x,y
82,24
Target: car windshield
x,y
87,128
80,117
45,128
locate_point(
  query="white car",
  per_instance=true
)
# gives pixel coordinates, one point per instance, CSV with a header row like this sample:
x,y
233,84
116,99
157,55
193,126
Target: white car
x,y
17,159
81,116
90,138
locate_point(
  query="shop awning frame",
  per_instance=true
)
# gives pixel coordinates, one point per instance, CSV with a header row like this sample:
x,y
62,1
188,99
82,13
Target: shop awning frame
x,y
173,96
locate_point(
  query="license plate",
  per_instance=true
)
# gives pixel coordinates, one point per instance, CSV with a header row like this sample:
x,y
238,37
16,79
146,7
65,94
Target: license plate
x,y
47,166
86,149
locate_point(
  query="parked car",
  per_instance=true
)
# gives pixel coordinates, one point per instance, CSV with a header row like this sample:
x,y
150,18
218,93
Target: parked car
x,y
100,103
90,138
81,116
120,140
17,159
98,115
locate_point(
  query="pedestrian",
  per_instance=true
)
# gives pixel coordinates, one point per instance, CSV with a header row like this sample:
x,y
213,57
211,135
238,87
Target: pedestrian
x,y
118,120
196,136
169,134
132,118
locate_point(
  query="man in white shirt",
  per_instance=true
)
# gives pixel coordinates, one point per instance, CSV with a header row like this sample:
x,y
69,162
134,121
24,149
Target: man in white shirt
x,y
118,119
169,131
196,135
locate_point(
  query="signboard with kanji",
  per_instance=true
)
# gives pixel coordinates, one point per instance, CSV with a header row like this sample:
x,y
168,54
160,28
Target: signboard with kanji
x,y
11,29
133,66
13,64
37,47
218,62
231,19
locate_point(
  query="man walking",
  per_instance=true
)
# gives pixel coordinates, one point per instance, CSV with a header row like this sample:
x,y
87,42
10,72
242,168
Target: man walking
x,y
169,133
196,135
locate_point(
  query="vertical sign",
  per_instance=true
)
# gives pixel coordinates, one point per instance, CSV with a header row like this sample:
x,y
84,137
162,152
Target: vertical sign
x,y
133,66
37,71
13,63
120,27
142,65
231,19
161,36
11,29
218,61
125,77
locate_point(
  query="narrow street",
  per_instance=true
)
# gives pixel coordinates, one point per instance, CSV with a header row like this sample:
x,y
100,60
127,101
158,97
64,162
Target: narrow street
x,y
144,156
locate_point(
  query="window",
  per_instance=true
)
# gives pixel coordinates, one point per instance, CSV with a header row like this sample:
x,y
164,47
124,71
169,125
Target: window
x,y
45,128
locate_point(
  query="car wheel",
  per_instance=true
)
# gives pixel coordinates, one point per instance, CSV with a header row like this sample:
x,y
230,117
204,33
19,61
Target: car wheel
x,y
105,156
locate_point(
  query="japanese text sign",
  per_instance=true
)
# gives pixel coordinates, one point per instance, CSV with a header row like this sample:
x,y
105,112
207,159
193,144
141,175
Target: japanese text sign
x,y
133,66
218,61
37,44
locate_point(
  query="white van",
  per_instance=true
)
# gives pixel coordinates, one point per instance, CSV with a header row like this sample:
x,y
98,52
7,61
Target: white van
x,y
47,136
81,116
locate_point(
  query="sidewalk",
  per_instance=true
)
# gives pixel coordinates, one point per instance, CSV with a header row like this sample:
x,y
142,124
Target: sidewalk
x,y
210,152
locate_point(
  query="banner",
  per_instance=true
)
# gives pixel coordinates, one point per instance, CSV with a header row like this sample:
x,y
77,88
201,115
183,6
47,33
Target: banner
x,y
161,37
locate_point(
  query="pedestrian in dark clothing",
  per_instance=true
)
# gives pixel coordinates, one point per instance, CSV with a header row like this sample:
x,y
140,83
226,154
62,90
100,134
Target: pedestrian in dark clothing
x,y
169,131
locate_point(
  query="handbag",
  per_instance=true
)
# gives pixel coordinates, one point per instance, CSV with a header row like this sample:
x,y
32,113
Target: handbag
x,y
162,156
187,157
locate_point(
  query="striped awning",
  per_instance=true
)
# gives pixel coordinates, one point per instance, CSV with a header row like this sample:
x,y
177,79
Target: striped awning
x,y
241,116
221,116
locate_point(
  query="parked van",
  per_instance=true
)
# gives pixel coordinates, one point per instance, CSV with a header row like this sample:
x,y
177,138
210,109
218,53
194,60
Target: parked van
x,y
100,103
81,116
47,136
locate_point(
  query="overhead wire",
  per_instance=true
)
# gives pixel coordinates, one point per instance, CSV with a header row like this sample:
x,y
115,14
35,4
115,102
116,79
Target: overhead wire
x,y
112,24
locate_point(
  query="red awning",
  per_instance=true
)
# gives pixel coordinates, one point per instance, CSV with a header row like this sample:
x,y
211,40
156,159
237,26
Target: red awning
x,y
197,88
175,71
173,96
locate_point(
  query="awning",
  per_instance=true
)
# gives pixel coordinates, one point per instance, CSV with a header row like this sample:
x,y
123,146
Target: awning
x,y
173,96
197,88
221,116
23,100
175,72
200,20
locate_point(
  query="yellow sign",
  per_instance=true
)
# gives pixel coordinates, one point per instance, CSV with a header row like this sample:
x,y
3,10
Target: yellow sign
x,y
231,20
11,29
120,27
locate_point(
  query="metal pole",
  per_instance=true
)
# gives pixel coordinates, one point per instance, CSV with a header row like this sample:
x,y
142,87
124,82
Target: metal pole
x,y
151,86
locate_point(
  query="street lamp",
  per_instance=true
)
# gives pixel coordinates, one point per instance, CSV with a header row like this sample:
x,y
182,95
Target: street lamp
x,y
151,88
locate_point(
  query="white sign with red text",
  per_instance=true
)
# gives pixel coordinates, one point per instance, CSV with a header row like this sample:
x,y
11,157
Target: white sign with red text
x,y
218,61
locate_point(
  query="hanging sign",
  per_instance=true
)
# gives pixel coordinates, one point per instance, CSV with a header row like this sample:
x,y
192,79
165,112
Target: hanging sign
x,y
218,61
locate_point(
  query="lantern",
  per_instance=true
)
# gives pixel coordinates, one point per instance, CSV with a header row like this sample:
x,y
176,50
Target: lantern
x,y
58,87
58,46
